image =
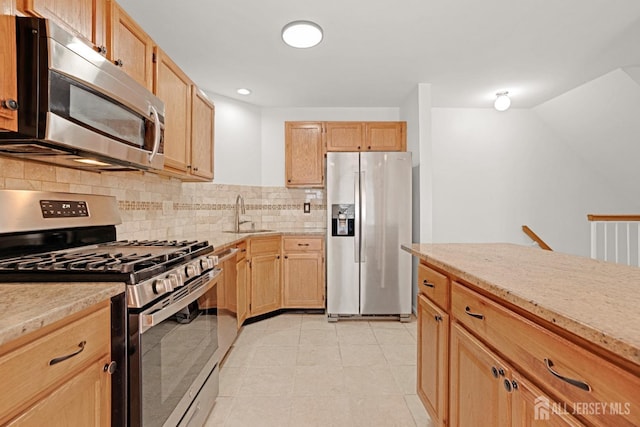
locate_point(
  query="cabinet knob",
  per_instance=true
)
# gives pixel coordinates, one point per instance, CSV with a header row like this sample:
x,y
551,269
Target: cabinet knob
x,y
110,368
195,169
101,49
507,385
514,384
438,318
286,257
369,147
288,180
358,147
118,62
494,372
10,104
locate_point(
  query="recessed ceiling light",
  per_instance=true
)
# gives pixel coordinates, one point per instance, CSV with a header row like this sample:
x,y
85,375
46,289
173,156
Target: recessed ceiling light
x,y
503,102
244,91
302,34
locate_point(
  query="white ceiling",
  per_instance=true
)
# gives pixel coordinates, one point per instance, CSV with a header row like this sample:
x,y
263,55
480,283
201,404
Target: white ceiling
x,y
375,52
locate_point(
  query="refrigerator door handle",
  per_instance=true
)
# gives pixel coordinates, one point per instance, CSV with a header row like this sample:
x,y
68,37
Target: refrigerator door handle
x,y
356,225
363,217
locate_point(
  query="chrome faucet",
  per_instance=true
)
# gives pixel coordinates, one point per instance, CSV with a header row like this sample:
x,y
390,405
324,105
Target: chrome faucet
x,y
240,210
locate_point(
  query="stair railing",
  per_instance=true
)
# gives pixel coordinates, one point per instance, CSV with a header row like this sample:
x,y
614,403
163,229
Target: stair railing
x,y
533,236
615,238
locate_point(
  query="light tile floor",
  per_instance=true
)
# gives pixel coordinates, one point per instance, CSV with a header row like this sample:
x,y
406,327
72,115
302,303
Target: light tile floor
x,y
300,370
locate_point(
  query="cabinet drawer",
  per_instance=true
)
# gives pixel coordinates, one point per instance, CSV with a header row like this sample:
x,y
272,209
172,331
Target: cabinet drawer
x,y
434,285
266,245
31,369
292,244
589,381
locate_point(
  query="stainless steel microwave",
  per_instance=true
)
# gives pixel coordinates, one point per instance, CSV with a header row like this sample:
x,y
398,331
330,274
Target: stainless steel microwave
x,y
77,109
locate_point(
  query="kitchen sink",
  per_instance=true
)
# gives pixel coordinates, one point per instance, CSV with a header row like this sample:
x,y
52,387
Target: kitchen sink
x,y
260,230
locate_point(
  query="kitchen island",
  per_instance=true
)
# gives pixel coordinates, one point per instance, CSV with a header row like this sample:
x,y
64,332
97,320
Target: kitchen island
x,y
519,333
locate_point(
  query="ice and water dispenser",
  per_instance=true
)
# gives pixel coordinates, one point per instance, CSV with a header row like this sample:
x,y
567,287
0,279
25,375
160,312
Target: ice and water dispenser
x,y
342,220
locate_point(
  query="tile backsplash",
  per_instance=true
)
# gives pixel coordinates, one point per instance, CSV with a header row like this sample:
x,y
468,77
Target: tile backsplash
x,y
158,207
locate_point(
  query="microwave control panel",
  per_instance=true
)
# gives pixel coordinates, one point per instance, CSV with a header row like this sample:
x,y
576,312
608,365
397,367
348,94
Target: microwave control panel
x,y
63,209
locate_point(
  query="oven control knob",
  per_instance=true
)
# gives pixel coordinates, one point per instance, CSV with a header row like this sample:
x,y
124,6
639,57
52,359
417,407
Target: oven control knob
x,y
175,280
206,263
162,286
191,270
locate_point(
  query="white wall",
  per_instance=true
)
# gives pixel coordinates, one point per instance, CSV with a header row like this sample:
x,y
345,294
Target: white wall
x,y
273,132
238,149
494,172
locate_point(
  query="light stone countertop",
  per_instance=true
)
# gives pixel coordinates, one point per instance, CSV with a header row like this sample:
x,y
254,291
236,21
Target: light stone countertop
x,y
27,307
221,240
595,300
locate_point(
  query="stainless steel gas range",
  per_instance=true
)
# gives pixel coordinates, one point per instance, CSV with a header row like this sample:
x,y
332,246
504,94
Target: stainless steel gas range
x,y
165,343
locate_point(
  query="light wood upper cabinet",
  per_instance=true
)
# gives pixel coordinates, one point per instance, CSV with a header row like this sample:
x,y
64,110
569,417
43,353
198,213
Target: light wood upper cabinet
x,y
386,136
303,276
304,154
433,360
202,132
86,18
128,46
173,87
8,74
39,384
345,136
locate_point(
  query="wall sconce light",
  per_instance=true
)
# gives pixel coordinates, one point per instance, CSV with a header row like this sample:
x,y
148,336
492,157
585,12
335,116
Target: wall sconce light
x,y
503,102
302,34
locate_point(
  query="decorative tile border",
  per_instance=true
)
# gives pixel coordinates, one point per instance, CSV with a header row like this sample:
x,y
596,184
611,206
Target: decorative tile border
x,y
132,205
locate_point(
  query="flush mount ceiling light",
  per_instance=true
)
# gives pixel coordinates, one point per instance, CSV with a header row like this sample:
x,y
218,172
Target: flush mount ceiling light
x,y
302,34
244,91
503,102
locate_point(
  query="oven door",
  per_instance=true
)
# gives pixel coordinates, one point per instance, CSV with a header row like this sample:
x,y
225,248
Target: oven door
x,y
173,351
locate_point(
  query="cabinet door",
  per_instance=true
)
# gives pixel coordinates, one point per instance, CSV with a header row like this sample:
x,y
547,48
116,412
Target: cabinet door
x,y
129,46
433,360
230,284
241,286
533,408
85,400
202,131
304,154
303,280
385,136
83,17
8,74
478,393
265,284
173,87
344,136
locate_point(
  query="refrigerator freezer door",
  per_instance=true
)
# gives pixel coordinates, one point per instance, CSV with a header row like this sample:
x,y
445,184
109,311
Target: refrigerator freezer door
x,y
386,223
343,272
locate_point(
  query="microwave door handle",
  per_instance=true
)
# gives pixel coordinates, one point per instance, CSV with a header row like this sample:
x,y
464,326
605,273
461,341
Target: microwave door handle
x,y
156,135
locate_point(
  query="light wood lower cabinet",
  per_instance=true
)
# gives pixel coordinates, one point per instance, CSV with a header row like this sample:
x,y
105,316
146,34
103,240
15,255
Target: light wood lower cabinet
x,y
433,360
264,267
478,378
303,280
503,369
242,283
56,376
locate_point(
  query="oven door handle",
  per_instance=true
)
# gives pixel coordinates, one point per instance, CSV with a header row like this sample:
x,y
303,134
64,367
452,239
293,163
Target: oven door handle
x,y
153,317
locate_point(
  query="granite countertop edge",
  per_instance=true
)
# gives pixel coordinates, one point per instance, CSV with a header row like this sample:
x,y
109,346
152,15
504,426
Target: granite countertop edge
x,y
579,327
27,307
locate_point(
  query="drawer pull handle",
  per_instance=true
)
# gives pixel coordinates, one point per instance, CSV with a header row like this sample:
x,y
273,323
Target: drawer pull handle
x,y
427,284
476,315
68,356
577,383
303,244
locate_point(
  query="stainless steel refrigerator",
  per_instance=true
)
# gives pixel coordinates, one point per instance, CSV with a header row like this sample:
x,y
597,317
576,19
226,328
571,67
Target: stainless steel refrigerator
x,y
368,218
